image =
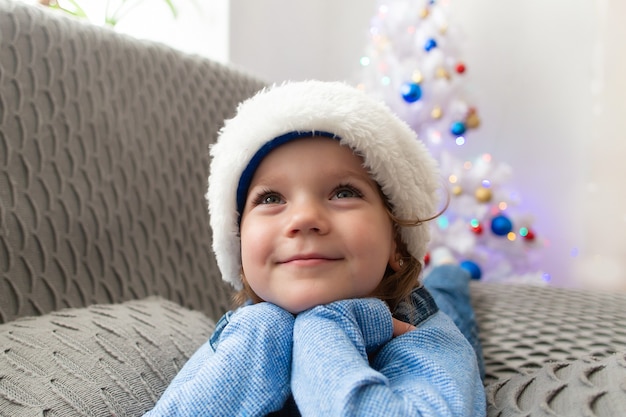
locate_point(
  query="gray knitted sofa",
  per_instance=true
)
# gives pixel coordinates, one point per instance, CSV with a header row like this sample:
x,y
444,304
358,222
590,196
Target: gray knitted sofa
x,y
107,279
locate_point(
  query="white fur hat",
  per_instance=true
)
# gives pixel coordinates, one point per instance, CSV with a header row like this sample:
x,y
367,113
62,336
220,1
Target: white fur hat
x,y
395,158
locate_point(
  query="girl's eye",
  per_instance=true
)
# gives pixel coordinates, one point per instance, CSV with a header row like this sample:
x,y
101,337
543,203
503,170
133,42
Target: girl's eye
x,y
268,198
346,191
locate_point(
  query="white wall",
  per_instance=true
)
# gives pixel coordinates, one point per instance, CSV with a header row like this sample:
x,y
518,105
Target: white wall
x,y
200,28
299,39
547,77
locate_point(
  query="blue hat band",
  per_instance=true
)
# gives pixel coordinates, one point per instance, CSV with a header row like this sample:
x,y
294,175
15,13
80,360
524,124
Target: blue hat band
x,y
248,172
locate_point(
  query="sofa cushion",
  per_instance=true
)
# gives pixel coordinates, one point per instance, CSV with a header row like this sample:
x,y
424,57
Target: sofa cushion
x,y
524,327
102,360
584,387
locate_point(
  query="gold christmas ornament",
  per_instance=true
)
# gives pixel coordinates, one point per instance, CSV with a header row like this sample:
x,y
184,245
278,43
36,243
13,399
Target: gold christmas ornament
x,y
457,190
424,13
417,77
436,112
472,121
483,195
441,72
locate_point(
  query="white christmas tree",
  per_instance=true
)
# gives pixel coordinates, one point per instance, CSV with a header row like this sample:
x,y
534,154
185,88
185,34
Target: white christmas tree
x,y
413,63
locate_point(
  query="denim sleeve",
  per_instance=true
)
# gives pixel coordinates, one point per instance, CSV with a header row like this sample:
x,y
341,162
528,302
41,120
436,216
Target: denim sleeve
x,y
449,286
429,371
247,374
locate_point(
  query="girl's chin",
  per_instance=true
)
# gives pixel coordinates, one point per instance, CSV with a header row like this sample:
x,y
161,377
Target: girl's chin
x,y
307,295
296,305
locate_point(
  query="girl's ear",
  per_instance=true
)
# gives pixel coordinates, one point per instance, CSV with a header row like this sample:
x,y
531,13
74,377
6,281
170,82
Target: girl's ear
x,y
395,262
395,258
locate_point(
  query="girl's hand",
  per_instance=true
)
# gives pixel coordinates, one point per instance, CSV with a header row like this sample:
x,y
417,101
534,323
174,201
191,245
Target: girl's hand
x,y
400,327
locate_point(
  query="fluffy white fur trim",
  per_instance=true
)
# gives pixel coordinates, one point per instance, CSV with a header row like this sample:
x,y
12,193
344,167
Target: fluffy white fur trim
x,y
393,155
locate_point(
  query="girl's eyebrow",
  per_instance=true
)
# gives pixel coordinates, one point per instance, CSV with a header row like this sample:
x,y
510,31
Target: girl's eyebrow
x,y
339,174
340,171
335,172
266,180
350,173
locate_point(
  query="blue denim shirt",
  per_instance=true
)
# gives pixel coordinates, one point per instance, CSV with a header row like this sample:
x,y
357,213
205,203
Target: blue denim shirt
x,y
336,359
421,307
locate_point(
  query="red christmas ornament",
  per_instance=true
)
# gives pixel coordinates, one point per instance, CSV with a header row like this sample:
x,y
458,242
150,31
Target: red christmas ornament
x,y
478,229
460,68
427,259
530,236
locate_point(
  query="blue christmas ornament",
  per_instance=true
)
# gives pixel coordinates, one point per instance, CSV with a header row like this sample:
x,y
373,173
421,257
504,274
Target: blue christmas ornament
x,y
457,128
430,44
501,225
411,92
472,268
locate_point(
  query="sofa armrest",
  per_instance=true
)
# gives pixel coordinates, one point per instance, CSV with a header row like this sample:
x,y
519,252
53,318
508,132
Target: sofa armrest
x,y
552,351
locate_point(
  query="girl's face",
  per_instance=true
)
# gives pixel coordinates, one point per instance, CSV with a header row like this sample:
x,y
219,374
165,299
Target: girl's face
x,y
314,227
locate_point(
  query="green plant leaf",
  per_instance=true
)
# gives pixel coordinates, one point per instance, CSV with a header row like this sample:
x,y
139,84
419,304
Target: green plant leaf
x,y
79,10
123,8
172,7
110,20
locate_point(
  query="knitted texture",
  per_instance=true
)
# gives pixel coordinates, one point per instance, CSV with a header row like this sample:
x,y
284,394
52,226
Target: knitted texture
x,y
522,328
99,361
589,387
103,166
552,351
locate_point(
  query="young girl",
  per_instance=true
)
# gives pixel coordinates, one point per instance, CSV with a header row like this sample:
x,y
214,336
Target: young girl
x,y
317,197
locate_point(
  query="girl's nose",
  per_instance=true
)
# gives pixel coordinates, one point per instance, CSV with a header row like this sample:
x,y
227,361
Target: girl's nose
x,y
308,216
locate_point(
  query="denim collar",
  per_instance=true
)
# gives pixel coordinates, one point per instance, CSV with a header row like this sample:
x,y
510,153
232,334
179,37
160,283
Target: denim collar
x,y
418,308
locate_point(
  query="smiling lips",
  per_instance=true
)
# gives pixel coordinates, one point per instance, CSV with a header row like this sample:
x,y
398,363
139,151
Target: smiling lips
x,y
309,260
